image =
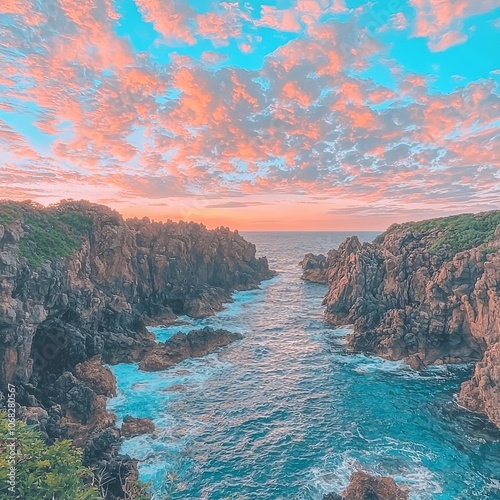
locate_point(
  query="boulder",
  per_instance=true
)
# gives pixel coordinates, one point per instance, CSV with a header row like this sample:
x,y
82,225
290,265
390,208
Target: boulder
x,y
196,343
132,427
97,377
364,486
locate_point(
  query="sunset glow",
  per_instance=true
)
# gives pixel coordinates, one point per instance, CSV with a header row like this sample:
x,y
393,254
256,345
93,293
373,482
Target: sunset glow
x,y
277,115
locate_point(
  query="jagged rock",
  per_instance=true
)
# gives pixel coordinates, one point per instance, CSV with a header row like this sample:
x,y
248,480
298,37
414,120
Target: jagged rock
x,y
124,274
55,316
316,267
113,471
363,486
132,427
97,377
182,346
482,393
408,299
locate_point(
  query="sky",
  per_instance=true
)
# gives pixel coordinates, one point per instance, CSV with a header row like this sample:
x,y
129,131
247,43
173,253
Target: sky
x,y
275,115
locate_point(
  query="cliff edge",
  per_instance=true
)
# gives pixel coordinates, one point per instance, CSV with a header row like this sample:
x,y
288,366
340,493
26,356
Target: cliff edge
x,y
427,292
78,284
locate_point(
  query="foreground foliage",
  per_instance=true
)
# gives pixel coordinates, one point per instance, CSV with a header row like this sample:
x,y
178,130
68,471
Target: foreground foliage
x,y
44,472
51,472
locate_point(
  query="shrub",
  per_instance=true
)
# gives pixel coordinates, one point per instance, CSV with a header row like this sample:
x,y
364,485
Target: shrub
x,y
44,472
456,233
462,232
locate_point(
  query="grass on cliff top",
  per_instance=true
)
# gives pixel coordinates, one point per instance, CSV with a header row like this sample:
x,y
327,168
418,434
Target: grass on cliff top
x,y
49,233
458,232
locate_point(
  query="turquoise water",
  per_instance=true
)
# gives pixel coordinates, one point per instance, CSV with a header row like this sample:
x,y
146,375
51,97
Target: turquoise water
x,y
287,413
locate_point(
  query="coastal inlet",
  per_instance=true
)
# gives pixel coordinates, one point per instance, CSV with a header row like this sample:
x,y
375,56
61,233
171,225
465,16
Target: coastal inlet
x,y
288,413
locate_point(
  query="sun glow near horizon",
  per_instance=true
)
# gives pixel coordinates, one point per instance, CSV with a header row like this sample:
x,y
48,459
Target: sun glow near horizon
x,y
296,115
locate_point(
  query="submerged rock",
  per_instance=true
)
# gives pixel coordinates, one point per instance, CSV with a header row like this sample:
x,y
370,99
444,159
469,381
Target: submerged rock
x,y
421,293
196,343
363,486
132,427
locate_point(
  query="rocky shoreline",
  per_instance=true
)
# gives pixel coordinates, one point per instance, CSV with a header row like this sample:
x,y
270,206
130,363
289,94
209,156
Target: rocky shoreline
x,y
428,293
78,284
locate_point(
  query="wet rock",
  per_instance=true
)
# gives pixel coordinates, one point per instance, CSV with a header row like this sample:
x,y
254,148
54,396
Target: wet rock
x,y
332,496
132,427
114,471
196,343
407,299
363,486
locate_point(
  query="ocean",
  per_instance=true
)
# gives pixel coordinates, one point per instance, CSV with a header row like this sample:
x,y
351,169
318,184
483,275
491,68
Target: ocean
x,y
289,413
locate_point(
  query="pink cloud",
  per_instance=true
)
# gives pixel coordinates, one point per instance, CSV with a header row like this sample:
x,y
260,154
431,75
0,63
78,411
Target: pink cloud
x,y
282,20
305,122
22,8
441,21
219,27
172,18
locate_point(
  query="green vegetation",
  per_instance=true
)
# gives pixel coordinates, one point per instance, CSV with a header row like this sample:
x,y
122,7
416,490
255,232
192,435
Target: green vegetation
x,y
42,471
11,211
49,233
458,232
50,472
462,232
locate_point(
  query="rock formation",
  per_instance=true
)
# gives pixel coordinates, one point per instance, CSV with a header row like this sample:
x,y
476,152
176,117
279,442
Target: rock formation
x,y
78,284
315,268
180,346
428,293
132,427
362,486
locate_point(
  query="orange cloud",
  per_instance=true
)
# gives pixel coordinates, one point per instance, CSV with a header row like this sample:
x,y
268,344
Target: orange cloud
x,y
172,18
441,20
220,27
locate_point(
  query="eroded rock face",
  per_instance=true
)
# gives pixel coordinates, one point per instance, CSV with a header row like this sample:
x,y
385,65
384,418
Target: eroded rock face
x,y
362,486
57,318
97,377
132,427
482,393
196,343
407,299
124,274
316,268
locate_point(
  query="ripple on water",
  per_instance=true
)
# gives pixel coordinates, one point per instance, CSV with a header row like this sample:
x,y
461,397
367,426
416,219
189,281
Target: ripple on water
x,y
288,413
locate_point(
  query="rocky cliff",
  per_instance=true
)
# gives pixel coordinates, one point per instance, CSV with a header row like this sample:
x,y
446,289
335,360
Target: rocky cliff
x,y
315,268
78,284
426,292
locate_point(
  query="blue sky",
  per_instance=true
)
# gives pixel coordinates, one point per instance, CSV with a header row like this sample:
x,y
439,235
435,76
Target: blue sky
x,y
342,112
